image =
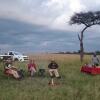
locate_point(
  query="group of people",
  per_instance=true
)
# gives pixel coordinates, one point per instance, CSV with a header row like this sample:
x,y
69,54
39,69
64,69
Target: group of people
x,y
53,69
9,69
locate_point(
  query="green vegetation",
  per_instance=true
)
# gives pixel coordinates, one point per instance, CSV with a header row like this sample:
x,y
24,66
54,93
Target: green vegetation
x,y
74,85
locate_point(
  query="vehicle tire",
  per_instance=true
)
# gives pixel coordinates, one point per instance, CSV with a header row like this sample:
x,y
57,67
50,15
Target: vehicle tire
x,y
16,59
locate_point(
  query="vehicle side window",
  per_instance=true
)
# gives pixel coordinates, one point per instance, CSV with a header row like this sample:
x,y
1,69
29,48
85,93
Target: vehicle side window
x,y
10,53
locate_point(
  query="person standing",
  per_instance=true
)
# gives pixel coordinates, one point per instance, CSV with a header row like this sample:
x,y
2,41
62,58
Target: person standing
x,y
95,60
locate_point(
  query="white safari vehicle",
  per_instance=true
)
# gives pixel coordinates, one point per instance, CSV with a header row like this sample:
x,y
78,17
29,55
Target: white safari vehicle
x,y
16,56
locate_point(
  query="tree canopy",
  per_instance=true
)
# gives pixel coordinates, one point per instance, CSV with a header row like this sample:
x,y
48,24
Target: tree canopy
x,y
87,18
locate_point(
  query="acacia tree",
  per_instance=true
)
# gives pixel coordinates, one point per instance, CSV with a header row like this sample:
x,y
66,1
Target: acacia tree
x,y
88,19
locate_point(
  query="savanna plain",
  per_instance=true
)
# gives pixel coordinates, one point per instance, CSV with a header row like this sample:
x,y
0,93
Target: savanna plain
x,y
73,84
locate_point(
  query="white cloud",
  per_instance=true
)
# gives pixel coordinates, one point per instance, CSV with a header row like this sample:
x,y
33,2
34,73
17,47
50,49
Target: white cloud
x,y
76,6
56,4
52,13
64,10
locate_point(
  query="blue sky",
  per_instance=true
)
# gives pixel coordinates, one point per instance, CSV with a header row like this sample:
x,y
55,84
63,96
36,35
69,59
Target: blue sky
x,y
42,25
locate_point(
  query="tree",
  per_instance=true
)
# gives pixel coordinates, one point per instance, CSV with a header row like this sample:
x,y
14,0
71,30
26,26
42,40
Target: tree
x,y
88,19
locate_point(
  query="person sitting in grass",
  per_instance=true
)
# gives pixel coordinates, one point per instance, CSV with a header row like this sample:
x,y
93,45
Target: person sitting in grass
x,y
9,69
95,60
31,67
53,69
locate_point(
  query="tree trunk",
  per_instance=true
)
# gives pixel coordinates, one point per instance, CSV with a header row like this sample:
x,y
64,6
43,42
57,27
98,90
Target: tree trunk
x,y
81,51
80,37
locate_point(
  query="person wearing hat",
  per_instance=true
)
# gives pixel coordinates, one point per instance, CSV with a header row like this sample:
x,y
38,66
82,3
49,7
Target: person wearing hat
x,y
53,69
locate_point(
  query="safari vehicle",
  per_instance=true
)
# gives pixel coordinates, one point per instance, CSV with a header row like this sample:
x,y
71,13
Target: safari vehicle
x,y
16,56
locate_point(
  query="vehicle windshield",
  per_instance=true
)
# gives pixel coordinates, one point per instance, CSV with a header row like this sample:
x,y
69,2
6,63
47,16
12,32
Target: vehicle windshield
x,y
17,53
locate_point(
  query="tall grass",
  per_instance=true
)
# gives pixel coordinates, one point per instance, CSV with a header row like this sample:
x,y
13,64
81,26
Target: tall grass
x,y
74,85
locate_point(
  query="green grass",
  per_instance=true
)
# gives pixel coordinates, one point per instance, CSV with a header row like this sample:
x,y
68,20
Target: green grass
x,y
74,85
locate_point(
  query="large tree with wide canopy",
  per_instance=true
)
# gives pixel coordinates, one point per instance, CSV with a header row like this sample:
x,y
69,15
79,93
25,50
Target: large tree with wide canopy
x,y
88,19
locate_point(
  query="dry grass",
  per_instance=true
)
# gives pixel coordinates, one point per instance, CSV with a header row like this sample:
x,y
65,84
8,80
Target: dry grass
x,y
74,85
59,57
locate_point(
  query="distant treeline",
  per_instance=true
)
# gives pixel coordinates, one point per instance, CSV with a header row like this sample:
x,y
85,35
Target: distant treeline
x,y
78,52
